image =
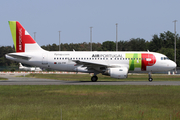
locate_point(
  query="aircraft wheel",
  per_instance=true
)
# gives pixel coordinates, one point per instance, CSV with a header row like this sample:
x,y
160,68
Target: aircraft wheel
x,y
94,78
150,79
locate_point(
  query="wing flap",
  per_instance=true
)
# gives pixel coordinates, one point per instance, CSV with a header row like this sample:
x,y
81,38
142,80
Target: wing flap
x,y
89,64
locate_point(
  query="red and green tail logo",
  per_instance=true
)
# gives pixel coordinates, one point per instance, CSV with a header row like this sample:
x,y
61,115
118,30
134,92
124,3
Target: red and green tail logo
x,y
20,36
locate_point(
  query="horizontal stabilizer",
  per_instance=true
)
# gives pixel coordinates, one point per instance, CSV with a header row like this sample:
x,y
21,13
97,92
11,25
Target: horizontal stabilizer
x,y
18,56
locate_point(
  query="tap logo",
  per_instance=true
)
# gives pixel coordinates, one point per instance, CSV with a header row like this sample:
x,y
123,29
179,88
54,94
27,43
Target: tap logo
x,y
140,61
20,31
20,39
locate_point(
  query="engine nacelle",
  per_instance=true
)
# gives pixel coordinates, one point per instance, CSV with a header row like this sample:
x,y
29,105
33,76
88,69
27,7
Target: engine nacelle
x,y
120,72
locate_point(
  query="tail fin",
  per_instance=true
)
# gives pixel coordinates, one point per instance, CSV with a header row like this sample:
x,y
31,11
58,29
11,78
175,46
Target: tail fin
x,y
23,42
20,65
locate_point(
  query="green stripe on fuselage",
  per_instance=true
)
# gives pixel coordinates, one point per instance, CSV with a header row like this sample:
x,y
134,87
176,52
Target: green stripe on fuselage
x,y
134,61
12,25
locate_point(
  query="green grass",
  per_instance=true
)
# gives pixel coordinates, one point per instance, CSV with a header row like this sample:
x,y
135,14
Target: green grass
x,y
3,78
89,102
87,77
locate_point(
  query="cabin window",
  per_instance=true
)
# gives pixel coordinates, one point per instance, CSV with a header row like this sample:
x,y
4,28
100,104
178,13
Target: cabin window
x,y
164,58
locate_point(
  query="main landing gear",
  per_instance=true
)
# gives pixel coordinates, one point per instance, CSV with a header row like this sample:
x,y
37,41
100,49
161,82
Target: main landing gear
x,y
94,78
150,78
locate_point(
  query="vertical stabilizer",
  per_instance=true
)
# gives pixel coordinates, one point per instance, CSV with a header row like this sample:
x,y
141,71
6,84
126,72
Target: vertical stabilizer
x,y
23,42
20,65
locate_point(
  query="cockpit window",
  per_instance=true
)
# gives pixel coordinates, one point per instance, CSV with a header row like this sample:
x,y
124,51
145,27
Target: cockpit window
x,y
164,58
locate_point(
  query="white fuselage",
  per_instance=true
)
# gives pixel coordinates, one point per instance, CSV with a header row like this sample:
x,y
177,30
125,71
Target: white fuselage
x,y
69,61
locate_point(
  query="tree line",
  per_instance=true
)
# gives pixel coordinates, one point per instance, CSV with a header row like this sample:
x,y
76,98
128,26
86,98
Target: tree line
x,y
162,43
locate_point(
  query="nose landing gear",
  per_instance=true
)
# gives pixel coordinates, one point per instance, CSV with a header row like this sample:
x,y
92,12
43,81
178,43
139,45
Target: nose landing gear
x,y
150,78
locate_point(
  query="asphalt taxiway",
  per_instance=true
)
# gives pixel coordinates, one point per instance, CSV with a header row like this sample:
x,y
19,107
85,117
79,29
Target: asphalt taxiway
x,y
13,80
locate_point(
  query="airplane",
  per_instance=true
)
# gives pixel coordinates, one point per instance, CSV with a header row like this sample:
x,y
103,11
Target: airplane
x,y
115,64
21,67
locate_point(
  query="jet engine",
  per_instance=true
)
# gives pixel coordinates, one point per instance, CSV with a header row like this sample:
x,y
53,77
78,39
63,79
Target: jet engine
x,y
120,72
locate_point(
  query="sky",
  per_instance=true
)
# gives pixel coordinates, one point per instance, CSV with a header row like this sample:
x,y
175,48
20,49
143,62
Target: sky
x,y
135,18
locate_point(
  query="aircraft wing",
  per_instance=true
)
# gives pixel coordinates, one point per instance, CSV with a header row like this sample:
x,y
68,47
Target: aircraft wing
x,y
92,65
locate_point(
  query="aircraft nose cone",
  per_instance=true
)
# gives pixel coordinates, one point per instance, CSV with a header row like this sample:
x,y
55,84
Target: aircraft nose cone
x,y
175,65
172,65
